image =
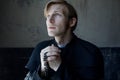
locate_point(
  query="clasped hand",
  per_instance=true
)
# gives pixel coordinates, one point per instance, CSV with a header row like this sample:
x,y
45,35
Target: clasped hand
x,y
53,57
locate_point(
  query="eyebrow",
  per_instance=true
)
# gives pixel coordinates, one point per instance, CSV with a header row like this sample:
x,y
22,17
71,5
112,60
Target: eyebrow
x,y
56,11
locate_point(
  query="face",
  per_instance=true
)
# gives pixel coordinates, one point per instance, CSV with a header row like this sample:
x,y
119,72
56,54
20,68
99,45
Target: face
x,y
56,20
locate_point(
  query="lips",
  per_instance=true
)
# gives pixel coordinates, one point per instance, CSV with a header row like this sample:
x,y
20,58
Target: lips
x,y
52,27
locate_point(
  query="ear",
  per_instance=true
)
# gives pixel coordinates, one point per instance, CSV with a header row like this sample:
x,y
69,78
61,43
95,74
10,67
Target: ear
x,y
72,22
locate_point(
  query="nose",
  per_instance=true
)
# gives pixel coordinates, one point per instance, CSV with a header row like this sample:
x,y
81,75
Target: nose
x,y
51,19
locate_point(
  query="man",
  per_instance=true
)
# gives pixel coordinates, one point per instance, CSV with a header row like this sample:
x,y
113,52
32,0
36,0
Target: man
x,y
66,57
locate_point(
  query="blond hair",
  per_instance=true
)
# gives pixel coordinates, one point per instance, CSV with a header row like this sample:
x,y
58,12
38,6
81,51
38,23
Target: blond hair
x,y
71,11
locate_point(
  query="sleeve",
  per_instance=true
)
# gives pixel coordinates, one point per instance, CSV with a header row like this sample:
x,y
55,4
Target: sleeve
x,y
34,60
32,76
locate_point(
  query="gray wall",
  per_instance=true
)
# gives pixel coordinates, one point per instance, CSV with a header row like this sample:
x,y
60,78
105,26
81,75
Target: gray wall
x,y
22,23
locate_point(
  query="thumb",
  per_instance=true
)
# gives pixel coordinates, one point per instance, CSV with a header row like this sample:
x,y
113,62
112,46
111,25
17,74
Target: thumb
x,y
53,45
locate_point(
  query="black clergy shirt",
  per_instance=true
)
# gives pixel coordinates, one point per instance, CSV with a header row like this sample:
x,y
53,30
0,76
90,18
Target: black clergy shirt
x,y
81,60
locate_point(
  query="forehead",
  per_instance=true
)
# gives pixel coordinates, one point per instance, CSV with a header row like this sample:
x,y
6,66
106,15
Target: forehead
x,y
58,8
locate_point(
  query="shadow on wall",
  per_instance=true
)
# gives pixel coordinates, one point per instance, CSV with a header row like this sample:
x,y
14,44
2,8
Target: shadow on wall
x,y
23,3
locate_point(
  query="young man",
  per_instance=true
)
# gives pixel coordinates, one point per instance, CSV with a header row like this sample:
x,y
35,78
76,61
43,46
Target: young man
x,y
66,57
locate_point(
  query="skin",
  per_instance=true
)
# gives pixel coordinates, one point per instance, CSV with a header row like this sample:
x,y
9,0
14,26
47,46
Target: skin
x,y
59,27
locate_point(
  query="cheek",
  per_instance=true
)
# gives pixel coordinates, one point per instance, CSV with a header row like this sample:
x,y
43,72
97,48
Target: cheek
x,y
47,23
61,22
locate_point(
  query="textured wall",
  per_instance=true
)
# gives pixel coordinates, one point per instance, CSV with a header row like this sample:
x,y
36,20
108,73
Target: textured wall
x,y
22,23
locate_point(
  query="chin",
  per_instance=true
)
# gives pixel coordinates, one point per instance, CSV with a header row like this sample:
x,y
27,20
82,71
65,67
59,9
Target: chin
x,y
51,35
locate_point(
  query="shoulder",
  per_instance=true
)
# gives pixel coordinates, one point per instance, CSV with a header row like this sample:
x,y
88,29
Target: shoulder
x,y
87,52
85,44
34,59
40,46
44,44
87,48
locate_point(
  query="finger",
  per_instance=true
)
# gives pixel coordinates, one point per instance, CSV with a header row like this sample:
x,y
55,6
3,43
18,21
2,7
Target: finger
x,y
45,56
51,48
52,45
54,48
52,54
51,58
47,49
44,51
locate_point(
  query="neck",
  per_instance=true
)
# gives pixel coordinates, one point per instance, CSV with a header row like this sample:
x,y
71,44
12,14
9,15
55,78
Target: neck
x,y
64,39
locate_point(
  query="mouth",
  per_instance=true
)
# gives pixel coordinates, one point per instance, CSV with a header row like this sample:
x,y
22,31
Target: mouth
x,y
51,27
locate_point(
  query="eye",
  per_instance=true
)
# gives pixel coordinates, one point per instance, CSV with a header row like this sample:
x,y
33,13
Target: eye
x,y
57,14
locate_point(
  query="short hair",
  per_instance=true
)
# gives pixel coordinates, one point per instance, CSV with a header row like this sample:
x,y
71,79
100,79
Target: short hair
x,y
71,11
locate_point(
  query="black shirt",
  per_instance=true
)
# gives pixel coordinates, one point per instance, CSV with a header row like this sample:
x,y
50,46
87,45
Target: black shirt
x,y
81,60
